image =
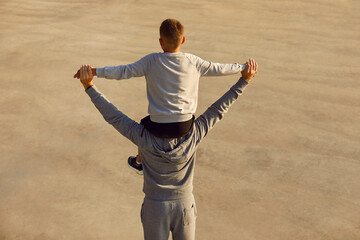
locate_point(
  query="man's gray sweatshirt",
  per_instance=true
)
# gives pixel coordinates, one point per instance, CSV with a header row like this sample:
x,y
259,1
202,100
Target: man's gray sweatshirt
x,y
172,81
168,163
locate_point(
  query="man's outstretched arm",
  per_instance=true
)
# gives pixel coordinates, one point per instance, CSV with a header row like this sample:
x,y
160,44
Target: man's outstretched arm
x,y
217,110
122,123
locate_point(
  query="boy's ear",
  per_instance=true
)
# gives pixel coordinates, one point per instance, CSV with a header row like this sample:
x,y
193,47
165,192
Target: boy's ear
x,y
183,40
161,41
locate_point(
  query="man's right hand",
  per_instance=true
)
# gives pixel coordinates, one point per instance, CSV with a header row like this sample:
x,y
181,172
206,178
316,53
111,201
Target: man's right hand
x,y
251,69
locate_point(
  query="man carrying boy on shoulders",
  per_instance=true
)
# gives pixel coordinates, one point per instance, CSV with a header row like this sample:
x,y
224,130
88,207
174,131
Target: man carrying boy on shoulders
x,y
168,163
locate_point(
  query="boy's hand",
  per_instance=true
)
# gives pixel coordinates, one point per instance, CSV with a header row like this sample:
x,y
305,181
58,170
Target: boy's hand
x,y
77,74
251,69
86,76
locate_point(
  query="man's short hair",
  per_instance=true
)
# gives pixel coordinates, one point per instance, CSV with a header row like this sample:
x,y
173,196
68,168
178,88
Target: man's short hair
x,y
171,30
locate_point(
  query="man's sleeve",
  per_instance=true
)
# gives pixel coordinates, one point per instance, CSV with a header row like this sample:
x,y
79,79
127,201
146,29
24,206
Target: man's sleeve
x,y
217,110
136,69
122,123
207,68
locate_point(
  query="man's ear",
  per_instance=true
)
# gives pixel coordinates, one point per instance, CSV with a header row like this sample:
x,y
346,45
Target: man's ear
x,y
183,40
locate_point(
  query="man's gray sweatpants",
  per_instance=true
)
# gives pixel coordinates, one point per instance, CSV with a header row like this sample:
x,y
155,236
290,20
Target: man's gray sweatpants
x,y
161,217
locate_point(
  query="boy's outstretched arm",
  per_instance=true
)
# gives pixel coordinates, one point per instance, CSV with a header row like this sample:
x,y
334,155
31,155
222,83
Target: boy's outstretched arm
x,y
136,69
207,68
217,110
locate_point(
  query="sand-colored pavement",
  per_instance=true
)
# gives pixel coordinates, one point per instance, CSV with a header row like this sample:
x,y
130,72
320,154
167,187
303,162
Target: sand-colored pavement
x,y
283,164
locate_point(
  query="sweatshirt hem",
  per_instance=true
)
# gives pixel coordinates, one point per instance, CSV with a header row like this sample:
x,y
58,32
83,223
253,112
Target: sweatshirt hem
x,y
171,118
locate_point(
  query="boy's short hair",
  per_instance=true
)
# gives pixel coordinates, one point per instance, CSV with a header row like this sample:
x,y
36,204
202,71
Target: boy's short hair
x,y
171,30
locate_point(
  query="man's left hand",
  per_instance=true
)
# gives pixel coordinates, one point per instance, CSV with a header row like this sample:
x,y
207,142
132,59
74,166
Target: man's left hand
x,y
86,76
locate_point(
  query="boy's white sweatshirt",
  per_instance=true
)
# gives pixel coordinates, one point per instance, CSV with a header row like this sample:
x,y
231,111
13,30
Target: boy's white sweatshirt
x,y
172,81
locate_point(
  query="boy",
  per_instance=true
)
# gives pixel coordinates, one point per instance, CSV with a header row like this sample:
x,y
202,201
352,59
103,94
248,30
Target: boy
x,y
172,80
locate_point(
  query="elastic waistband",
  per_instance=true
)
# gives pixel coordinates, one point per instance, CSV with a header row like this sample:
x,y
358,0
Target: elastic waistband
x,y
168,130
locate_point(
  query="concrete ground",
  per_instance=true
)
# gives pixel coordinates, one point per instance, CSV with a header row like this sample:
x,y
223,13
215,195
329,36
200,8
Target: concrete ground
x,y
283,164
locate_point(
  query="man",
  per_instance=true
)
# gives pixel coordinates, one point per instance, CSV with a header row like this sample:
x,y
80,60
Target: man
x,y
168,163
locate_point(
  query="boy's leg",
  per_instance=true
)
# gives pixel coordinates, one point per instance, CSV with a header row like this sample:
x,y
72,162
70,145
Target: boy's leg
x,y
137,167
165,130
138,157
135,162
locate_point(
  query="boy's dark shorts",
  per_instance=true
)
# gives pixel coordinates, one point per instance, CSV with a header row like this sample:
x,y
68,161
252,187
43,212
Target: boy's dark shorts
x,y
168,130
